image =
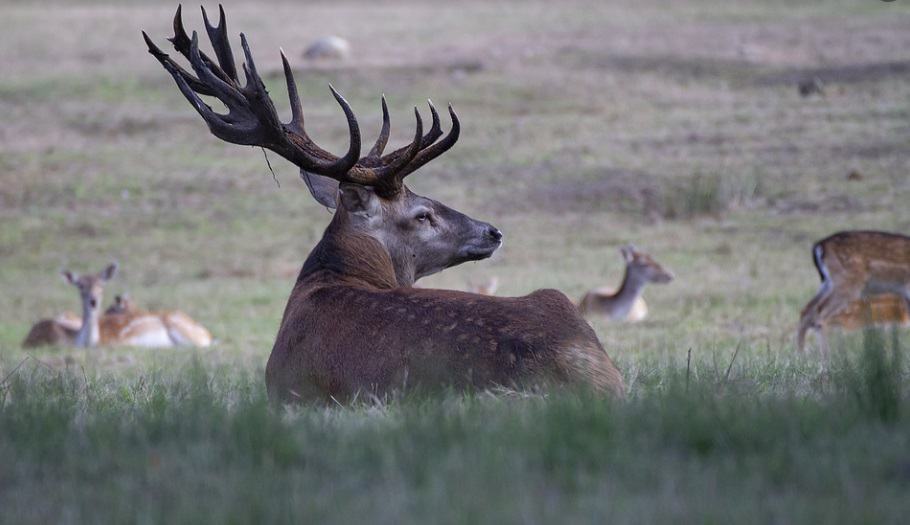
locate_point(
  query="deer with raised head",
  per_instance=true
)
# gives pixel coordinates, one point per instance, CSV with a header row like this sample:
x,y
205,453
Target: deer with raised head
x,y
62,330
354,323
626,303
865,281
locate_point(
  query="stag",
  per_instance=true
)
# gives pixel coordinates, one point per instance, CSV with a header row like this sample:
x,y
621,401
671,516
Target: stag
x,y
354,323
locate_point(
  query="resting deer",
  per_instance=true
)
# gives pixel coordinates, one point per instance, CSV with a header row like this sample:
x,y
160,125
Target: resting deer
x,y
171,327
63,332
864,275
626,304
121,324
354,322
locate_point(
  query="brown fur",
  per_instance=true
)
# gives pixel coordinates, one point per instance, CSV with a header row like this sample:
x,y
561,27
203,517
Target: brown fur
x,y
354,323
49,332
626,303
888,309
124,321
858,266
346,330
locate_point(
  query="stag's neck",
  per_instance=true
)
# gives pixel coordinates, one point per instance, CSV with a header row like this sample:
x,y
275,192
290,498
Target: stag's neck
x,y
620,304
89,333
347,256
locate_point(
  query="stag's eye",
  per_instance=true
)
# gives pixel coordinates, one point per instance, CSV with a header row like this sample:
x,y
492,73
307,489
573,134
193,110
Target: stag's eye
x,y
423,216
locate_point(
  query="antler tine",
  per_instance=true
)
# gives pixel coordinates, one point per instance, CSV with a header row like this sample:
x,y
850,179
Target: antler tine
x,y
252,119
435,130
383,138
219,38
431,152
389,175
303,151
426,140
222,89
174,68
293,95
183,80
182,42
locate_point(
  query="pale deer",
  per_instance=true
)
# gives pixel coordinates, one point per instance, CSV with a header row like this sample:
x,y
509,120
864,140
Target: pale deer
x,y
354,323
164,328
861,273
626,303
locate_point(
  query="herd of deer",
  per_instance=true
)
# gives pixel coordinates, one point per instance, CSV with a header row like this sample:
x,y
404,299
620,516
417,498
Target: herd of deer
x,y
355,323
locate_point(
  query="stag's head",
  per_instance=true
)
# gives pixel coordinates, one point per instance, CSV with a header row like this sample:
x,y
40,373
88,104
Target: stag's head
x,y
421,235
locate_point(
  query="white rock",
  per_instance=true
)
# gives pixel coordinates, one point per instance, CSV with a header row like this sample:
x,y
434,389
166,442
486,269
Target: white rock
x,y
328,47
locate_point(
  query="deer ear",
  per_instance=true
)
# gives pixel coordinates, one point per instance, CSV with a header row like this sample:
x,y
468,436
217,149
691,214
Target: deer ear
x,y
108,273
69,276
323,189
628,252
358,199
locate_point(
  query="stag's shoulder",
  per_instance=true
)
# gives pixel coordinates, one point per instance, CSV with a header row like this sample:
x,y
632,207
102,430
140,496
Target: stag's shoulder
x,y
551,297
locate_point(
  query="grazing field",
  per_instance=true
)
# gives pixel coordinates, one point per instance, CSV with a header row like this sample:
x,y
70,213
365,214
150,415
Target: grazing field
x,y
677,126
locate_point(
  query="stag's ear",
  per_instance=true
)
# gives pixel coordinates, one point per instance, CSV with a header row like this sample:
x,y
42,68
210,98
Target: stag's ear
x,y
108,273
69,276
323,189
358,199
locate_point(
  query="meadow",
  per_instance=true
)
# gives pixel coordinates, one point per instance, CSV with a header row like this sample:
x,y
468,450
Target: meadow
x,y
585,125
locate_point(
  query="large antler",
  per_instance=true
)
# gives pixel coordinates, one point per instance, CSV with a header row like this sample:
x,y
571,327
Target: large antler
x,y
252,119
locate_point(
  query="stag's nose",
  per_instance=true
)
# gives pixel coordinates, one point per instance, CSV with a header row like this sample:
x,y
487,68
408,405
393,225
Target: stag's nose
x,y
493,233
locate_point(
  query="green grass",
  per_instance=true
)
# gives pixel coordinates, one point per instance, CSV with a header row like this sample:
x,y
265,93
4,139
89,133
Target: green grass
x,y
772,439
674,126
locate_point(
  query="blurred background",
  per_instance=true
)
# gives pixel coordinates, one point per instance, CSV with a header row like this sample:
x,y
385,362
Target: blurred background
x,y
723,138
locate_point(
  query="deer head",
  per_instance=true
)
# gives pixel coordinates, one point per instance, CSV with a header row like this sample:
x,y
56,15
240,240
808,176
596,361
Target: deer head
x,y
91,291
420,235
643,267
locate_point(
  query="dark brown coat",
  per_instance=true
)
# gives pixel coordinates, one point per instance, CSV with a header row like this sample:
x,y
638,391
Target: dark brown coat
x,y
346,330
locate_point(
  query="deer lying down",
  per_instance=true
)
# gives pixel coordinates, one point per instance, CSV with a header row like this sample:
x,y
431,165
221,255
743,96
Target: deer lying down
x,y
122,324
354,323
626,304
865,277
62,331
165,327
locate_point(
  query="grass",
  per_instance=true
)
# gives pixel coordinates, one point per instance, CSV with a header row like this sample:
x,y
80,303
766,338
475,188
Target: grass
x,y
586,126
193,443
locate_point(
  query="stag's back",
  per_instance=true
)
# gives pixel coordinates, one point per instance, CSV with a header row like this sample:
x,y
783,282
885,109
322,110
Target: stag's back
x,y
434,338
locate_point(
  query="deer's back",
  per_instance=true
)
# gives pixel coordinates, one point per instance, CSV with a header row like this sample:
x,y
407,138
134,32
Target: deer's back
x,y
340,339
860,254
47,332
